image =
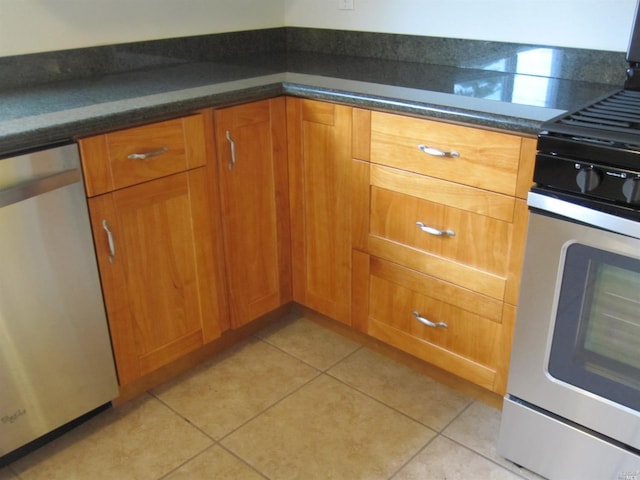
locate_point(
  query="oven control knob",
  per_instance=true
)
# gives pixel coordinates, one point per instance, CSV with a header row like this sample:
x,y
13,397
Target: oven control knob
x,y
631,190
588,179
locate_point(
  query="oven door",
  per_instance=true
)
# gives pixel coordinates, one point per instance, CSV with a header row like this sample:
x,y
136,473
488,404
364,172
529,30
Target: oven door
x,y
576,349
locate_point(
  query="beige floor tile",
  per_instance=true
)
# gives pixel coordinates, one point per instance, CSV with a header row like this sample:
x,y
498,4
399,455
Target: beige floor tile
x,y
308,341
140,440
401,387
444,459
478,428
215,463
327,430
6,474
221,395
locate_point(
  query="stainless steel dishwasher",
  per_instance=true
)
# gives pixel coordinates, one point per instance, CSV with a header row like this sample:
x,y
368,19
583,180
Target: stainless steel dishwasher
x,y
56,362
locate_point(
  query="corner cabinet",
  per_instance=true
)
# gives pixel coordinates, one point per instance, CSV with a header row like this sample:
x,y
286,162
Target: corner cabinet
x,y
321,201
409,230
158,248
254,194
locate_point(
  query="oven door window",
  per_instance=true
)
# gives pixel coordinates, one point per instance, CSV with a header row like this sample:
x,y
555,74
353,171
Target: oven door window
x,y
596,338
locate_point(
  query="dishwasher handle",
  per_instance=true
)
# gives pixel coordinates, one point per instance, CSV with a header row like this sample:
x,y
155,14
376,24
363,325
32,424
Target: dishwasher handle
x,y
38,186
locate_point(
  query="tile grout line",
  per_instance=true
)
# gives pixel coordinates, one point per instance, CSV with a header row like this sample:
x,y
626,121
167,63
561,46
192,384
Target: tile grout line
x,y
413,457
244,462
438,432
444,435
165,475
218,442
483,456
322,370
320,373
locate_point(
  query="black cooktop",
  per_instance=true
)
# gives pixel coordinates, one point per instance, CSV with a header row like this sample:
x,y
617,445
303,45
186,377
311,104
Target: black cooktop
x,y
606,131
614,119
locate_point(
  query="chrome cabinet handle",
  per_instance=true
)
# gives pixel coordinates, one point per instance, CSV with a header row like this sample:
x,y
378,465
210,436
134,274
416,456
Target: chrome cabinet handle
x,y
233,150
429,323
112,245
438,153
146,155
435,231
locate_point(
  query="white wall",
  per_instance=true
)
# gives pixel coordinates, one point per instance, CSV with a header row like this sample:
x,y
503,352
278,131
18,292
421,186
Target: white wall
x,y
28,26
592,24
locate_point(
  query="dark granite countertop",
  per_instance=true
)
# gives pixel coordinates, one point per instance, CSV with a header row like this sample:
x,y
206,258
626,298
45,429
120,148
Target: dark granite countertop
x,y
44,114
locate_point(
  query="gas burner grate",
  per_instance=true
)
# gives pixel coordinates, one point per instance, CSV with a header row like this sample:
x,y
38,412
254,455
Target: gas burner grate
x,y
619,113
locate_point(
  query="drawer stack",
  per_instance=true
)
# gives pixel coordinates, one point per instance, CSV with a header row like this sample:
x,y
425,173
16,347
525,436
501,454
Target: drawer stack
x,y
445,233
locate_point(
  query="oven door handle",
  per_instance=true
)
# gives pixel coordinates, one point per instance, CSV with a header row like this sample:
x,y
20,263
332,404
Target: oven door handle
x,y
589,216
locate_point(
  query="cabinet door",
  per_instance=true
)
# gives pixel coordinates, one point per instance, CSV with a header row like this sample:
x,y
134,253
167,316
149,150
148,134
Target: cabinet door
x,y
252,165
321,201
155,251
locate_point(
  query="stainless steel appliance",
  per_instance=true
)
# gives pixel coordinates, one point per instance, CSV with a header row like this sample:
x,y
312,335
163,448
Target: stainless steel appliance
x,y
56,362
573,405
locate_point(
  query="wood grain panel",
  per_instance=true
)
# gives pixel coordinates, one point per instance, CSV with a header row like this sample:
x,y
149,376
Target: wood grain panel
x,y
487,160
255,207
452,194
163,298
527,163
436,288
361,142
94,156
467,333
478,241
516,251
106,162
452,272
320,172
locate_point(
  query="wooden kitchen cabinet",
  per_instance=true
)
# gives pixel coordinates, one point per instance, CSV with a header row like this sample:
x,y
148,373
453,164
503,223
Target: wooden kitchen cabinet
x,y
254,191
446,238
320,173
156,241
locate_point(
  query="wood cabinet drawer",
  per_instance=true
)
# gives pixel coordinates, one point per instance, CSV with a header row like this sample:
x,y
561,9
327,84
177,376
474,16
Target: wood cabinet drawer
x,y
467,346
475,240
484,159
127,157
477,256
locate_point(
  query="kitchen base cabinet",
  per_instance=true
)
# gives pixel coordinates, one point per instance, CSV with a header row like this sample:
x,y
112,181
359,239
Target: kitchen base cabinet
x,y
320,173
446,239
254,196
157,249
408,230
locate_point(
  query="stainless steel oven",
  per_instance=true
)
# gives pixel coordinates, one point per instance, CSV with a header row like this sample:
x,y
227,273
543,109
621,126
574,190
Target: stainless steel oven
x,y
573,407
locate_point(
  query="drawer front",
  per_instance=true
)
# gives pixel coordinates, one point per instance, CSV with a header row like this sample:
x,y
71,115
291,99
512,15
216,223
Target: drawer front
x,y
465,155
468,238
135,155
402,304
477,255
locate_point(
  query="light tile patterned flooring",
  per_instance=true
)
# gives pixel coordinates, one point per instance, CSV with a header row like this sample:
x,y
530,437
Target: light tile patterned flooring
x,y
296,401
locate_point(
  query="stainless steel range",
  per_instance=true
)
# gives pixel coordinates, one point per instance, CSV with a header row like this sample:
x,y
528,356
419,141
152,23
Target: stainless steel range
x,y
573,405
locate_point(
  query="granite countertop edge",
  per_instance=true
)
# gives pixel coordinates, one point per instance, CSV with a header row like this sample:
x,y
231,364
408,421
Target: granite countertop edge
x,y
36,130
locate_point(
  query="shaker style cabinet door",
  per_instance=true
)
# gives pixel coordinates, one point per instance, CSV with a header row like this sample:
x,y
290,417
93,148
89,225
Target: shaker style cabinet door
x,y
320,172
159,261
252,171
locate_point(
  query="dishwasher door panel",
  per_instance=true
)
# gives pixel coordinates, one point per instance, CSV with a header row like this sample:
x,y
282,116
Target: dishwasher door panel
x,y
56,362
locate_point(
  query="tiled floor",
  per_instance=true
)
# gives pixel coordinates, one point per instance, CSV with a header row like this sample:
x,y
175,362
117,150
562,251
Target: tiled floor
x,y
298,401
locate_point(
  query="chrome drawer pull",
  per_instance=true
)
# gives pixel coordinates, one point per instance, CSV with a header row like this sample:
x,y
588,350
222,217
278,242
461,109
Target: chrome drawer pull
x,y
233,150
429,323
146,155
438,153
112,244
435,231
